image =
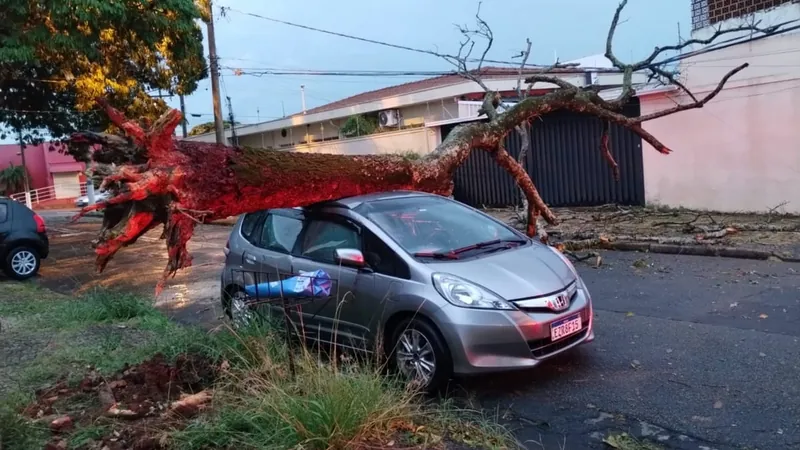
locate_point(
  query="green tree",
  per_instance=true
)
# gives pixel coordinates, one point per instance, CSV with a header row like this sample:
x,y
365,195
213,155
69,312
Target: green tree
x,y
208,127
57,57
12,179
358,125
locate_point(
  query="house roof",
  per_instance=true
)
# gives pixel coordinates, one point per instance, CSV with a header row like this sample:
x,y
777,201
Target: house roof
x,y
430,83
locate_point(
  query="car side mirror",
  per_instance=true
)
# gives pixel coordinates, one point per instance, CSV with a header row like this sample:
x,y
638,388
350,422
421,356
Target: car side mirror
x,y
350,257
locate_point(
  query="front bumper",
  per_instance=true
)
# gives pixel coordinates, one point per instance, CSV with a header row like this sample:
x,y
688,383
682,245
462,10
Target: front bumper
x,y
483,341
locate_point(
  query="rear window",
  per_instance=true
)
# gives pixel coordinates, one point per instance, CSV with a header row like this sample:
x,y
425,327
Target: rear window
x,y
249,224
3,212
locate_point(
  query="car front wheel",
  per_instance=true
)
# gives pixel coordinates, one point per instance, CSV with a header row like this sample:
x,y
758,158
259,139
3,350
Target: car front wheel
x,y
238,311
22,263
420,355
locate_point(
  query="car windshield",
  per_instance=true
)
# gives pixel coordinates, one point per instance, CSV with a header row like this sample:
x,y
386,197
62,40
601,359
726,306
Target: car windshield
x,y
437,227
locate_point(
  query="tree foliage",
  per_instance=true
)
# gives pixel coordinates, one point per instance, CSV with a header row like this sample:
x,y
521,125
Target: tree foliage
x,y
12,179
58,57
358,125
208,127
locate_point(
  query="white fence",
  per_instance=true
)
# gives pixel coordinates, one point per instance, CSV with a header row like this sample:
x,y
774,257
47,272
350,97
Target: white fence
x,y
45,194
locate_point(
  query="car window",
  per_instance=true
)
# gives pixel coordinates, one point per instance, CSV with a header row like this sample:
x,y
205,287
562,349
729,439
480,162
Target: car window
x,y
3,212
322,237
279,233
249,224
383,259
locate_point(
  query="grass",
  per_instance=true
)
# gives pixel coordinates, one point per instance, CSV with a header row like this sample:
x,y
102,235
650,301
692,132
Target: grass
x,y
256,403
327,406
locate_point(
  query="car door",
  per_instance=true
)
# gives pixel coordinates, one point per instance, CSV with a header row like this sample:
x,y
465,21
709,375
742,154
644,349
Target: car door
x,y
270,257
334,317
390,272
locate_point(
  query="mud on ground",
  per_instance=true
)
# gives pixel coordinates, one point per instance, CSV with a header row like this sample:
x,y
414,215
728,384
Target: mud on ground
x,y
128,409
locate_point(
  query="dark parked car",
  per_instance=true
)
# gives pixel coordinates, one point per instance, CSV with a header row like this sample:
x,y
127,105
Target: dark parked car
x,y
23,240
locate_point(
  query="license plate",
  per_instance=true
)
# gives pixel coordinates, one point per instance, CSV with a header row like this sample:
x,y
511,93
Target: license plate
x,y
565,327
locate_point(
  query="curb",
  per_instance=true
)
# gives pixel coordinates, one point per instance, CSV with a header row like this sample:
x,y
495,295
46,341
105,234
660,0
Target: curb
x,y
693,250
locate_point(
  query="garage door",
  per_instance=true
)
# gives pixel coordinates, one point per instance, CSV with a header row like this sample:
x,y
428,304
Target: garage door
x,y
67,185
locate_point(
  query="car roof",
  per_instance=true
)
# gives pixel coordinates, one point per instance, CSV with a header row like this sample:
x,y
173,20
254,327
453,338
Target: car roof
x,y
356,201
352,202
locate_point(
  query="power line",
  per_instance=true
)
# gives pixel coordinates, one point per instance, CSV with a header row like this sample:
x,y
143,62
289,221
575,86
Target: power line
x,y
226,9
258,71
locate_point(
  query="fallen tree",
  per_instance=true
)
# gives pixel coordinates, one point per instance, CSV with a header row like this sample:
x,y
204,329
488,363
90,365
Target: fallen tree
x,y
160,181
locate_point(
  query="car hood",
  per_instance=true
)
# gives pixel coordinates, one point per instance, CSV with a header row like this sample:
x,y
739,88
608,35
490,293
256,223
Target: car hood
x,y
513,274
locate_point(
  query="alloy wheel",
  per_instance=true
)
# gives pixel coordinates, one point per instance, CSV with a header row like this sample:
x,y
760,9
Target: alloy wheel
x,y
415,357
23,263
241,314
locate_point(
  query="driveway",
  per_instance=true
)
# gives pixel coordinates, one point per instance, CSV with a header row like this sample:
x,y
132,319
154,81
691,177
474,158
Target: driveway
x,y
192,297
696,352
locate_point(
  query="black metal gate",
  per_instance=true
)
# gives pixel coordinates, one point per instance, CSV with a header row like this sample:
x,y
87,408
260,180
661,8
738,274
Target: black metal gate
x,y
565,162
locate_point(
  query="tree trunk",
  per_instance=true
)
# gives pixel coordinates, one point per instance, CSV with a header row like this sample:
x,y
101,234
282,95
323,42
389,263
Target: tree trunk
x,y
181,183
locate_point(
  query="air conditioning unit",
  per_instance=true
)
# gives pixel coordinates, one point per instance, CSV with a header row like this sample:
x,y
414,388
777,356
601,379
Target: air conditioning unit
x,y
389,118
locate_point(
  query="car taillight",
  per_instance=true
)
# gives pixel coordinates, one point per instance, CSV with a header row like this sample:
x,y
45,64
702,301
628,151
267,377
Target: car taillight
x,y
40,227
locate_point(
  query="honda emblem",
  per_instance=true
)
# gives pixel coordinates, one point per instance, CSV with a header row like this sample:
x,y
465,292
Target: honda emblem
x,y
559,303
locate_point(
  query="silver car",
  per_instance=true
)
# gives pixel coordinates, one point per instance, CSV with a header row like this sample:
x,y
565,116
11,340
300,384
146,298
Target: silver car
x,y
442,288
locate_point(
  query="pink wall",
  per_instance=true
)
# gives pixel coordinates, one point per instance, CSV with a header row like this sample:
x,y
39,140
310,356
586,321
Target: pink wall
x,y
39,160
740,152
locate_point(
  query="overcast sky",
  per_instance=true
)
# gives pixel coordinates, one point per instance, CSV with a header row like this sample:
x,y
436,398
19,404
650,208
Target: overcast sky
x,y
569,29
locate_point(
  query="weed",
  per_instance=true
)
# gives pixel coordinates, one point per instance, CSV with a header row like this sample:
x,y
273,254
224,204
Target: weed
x,y
87,435
17,433
101,306
325,406
624,441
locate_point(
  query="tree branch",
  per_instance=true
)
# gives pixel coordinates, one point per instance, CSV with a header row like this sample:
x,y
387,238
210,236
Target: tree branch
x,y
525,54
696,103
606,149
671,79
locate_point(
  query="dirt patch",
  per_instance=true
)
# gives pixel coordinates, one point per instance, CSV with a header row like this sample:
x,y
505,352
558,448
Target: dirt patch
x,y
770,232
131,407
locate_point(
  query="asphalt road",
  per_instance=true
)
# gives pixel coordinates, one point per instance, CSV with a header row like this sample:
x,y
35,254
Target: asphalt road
x,y
694,352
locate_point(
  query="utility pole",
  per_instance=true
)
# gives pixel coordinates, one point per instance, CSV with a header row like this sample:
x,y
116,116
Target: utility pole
x,y
183,114
212,56
303,97
26,182
234,139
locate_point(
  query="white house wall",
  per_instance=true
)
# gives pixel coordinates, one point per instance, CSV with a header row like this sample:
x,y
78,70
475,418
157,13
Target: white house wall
x,y
430,96
412,115
417,140
740,152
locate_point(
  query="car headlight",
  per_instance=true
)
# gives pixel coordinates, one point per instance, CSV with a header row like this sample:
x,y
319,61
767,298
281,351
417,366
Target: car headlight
x,y
462,293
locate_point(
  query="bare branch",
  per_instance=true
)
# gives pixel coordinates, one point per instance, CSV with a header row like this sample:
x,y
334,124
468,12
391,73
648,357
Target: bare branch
x,y
485,31
525,54
650,60
671,79
605,147
754,28
695,104
560,82
610,39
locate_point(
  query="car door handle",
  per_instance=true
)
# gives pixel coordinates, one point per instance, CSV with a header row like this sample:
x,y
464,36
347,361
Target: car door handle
x,y
250,258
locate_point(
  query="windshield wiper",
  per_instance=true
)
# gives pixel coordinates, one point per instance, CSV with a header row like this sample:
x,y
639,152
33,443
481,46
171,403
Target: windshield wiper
x,y
436,255
453,254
